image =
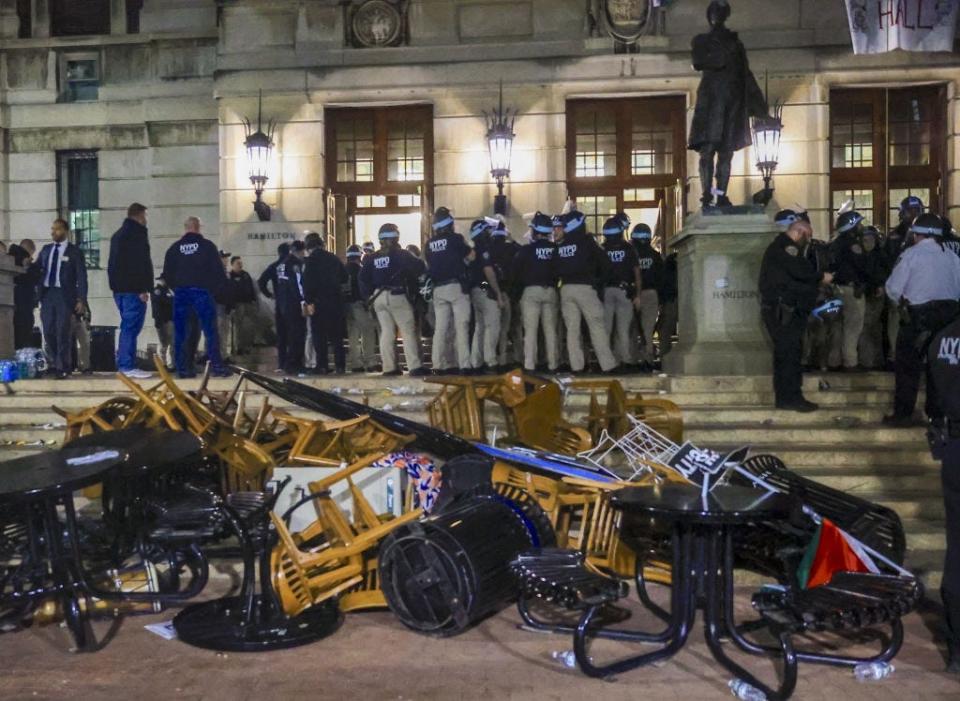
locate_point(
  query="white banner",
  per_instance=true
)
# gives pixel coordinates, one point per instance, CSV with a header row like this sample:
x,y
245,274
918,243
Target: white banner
x,y
877,26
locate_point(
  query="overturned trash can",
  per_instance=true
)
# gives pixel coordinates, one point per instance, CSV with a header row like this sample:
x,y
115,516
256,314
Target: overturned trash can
x,y
443,574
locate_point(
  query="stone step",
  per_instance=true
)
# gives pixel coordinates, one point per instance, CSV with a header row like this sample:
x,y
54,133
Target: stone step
x,y
847,455
912,505
926,481
813,434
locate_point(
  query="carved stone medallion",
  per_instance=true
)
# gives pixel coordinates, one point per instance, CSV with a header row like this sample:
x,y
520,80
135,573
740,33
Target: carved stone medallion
x,y
377,23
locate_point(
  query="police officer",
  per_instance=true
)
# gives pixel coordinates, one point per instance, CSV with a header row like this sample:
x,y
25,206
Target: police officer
x,y
943,379
536,266
503,251
291,306
871,340
648,292
620,290
324,277
193,270
788,291
581,266
269,285
911,207
486,299
926,285
384,282
447,255
850,278
361,326
950,239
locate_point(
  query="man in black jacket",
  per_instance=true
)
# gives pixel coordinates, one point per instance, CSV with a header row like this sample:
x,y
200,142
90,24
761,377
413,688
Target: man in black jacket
x,y
24,292
243,300
324,277
193,270
266,281
63,292
130,273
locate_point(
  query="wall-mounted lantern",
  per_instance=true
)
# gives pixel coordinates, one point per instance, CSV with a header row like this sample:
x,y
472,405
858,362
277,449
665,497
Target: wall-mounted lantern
x,y
259,146
500,143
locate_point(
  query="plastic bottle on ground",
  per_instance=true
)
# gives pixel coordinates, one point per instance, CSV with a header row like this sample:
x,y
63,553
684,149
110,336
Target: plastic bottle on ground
x,y
872,671
565,657
745,692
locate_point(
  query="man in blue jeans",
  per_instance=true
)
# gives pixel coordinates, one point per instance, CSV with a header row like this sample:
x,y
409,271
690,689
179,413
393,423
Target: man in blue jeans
x,y
193,270
130,273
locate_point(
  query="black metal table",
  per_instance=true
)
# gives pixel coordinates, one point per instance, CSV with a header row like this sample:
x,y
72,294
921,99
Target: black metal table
x,y
33,489
701,527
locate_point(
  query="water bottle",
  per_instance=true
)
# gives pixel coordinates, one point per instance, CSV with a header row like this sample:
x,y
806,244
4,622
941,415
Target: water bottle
x,y
745,692
390,498
872,671
565,657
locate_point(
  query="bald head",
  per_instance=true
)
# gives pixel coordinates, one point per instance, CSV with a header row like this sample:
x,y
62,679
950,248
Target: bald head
x,y
192,225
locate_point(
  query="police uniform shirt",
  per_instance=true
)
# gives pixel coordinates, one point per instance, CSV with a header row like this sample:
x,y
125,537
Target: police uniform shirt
x,y
944,360
503,251
391,269
787,276
353,276
925,273
290,282
952,243
536,264
194,261
445,258
580,261
623,263
850,261
651,266
482,260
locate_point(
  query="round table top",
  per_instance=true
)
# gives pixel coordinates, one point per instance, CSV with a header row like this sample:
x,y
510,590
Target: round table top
x,y
685,503
148,449
59,472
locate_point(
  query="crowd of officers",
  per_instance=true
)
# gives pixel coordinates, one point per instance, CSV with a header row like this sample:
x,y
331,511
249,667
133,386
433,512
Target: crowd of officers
x,y
488,301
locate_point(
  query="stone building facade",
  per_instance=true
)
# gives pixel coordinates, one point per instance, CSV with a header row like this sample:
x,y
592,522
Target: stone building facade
x,y
379,107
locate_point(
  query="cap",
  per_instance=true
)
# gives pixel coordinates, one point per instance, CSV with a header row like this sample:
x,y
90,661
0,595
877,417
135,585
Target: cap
x,y
572,220
641,232
354,251
927,225
911,202
785,217
848,221
613,226
501,230
442,218
388,231
478,227
542,224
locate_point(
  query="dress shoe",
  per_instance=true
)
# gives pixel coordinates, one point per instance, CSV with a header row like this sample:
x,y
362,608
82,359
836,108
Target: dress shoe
x,y
419,372
391,373
801,405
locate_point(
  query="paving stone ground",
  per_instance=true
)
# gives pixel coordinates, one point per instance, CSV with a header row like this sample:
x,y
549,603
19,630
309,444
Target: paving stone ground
x,y
373,657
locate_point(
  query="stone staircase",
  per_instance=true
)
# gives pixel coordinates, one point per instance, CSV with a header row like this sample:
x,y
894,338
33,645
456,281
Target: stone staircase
x,y
842,445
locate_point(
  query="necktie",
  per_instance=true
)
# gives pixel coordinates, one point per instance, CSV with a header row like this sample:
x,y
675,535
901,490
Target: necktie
x,y
54,260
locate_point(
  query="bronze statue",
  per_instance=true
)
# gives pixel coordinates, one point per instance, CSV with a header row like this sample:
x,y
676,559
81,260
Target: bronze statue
x,y
726,99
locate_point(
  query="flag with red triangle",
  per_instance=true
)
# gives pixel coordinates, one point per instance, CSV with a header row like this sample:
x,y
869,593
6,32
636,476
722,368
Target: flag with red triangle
x,y
832,551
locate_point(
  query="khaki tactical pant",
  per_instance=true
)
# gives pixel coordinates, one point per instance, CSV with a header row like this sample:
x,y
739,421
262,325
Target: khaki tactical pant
x,y
486,329
506,331
451,306
871,340
395,312
617,315
853,312
362,335
538,307
581,302
649,310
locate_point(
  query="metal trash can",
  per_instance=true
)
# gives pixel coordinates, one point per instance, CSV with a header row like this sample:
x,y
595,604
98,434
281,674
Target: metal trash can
x,y
103,348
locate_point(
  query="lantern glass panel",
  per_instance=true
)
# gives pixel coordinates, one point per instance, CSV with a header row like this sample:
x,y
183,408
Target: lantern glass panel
x,y
258,160
766,143
501,148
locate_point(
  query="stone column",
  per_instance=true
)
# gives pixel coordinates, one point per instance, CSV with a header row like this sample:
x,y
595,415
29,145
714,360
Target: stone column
x,y
9,20
720,330
7,271
41,18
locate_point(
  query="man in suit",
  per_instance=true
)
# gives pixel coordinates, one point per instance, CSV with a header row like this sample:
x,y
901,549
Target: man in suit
x,y
62,292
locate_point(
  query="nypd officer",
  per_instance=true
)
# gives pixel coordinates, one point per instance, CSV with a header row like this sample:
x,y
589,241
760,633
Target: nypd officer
x,y
447,256
384,281
266,281
943,379
788,291
581,266
620,290
648,293
911,207
925,284
486,299
193,270
851,278
291,305
503,250
535,264
361,326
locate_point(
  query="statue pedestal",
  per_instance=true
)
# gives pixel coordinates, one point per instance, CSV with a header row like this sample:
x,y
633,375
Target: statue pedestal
x,y
718,261
7,272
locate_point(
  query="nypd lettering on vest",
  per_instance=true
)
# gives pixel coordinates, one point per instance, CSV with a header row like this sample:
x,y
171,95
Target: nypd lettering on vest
x,y
617,256
950,350
382,263
188,249
438,245
544,253
282,272
646,263
568,251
